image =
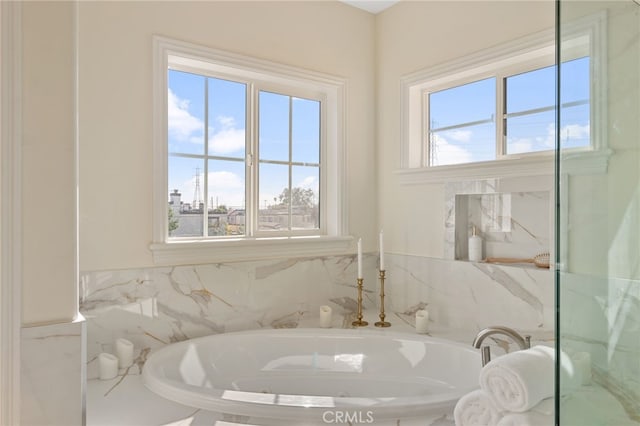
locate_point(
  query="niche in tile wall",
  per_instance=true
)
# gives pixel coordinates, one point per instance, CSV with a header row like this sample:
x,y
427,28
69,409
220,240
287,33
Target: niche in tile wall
x,y
511,224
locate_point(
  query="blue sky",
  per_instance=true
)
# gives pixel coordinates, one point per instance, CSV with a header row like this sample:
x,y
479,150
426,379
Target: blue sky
x,y
526,132
226,130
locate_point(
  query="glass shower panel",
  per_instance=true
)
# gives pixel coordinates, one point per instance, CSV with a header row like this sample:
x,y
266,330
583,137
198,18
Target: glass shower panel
x,y
598,220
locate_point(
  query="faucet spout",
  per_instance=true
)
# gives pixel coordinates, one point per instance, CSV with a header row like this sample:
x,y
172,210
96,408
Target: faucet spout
x,y
523,342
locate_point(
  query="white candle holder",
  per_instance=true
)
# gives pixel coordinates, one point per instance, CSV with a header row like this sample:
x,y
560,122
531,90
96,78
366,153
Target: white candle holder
x,y
124,350
382,322
325,316
422,321
360,322
108,365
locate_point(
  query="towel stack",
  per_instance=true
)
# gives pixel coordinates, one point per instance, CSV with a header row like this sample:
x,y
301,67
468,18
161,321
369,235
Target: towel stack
x,y
517,390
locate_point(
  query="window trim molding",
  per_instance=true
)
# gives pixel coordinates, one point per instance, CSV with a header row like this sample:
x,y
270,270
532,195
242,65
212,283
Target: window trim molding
x,y
481,64
335,240
11,207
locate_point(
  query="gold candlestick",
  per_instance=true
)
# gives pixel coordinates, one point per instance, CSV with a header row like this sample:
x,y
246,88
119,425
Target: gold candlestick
x,y
359,322
382,322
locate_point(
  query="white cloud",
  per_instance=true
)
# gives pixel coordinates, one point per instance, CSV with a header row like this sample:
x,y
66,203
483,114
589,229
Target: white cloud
x,y
460,135
570,132
310,182
519,146
182,125
575,131
228,139
446,153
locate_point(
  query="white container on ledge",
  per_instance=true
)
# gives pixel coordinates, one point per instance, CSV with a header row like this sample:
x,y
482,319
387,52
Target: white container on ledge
x,y
475,246
325,316
422,321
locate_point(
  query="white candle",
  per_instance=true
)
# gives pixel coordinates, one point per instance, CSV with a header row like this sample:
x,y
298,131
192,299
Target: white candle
x,y
582,365
381,250
124,350
108,365
359,258
422,321
325,316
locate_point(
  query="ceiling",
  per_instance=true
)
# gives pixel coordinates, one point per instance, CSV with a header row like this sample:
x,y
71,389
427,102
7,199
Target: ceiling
x,y
373,6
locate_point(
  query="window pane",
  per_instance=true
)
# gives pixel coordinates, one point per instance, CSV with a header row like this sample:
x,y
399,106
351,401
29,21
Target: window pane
x,y
185,196
531,132
185,112
226,198
576,101
274,127
575,80
273,197
575,127
531,90
530,111
463,104
305,129
227,117
461,124
306,197
463,145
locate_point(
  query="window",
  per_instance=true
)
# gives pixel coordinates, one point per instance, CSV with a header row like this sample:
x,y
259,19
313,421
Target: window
x,y
493,114
248,157
462,125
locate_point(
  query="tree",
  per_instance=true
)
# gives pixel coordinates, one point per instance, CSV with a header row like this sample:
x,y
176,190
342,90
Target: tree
x,y
173,221
221,209
301,197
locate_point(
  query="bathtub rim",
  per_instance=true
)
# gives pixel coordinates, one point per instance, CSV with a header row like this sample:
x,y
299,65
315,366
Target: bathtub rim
x,y
213,399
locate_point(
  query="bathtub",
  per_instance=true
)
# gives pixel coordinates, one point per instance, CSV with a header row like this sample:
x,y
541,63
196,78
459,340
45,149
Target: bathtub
x,y
316,376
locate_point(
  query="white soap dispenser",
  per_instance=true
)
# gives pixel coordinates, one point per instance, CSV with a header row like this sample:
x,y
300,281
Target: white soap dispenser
x,y
475,246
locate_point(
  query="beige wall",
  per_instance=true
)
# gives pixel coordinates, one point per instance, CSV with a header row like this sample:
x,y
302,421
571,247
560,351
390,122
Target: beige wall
x,y
48,164
415,35
116,121
116,103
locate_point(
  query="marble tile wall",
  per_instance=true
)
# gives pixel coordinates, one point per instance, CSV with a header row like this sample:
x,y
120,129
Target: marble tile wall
x,y
602,317
53,360
157,306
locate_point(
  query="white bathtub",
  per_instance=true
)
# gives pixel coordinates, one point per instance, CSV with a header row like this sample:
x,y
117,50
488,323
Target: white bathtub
x,y
306,376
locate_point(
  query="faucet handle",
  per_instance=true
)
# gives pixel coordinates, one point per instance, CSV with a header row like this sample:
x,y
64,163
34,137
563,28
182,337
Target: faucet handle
x,y
527,341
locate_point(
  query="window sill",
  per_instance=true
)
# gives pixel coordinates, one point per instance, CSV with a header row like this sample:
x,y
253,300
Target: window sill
x,y
592,162
512,167
244,249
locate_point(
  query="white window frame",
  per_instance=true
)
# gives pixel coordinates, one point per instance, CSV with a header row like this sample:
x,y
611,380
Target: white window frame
x,y
522,55
332,238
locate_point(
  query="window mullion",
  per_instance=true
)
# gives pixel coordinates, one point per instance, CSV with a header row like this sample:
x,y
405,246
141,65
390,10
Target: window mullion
x,y
290,163
252,162
501,118
205,208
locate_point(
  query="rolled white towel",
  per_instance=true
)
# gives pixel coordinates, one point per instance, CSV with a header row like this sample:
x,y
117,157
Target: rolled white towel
x,y
519,380
540,415
528,418
476,409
